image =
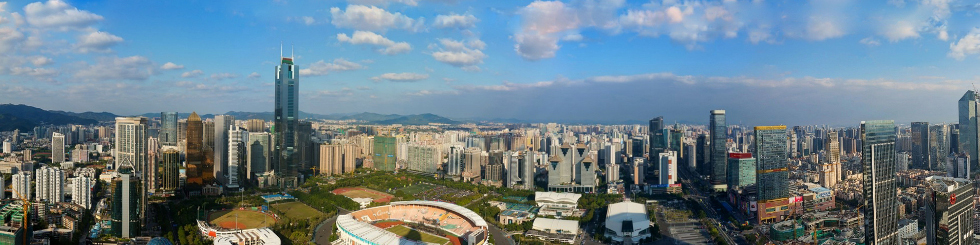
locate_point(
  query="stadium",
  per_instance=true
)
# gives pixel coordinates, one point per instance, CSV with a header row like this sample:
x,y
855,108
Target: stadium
x,y
222,236
239,226
412,223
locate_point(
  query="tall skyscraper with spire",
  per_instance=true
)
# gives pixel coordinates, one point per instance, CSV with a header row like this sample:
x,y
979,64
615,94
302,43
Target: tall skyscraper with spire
x,y
880,187
969,130
285,151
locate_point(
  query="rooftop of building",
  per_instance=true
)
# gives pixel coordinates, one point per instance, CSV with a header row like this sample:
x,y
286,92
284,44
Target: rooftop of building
x,y
633,212
946,184
556,197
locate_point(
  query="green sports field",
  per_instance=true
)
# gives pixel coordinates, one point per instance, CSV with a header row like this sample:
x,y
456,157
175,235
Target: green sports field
x,y
296,210
246,219
416,235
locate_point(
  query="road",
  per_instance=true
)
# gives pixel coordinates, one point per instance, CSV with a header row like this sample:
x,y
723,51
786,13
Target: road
x,y
704,202
322,234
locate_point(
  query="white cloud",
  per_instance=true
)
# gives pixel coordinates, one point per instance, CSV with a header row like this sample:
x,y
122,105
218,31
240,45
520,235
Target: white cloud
x,y
190,74
257,75
457,54
308,20
760,35
900,30
968,45
34,72
171,66
455,21
99,42
541,24
572,37
384,45
870,41
401,77
58,14
689,23
9,38
41,61
223,75
384,2
320,68
116,68
371,18
819,29
533,46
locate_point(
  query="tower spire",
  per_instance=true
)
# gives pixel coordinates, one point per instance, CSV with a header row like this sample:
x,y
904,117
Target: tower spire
x,y
290,51
280,49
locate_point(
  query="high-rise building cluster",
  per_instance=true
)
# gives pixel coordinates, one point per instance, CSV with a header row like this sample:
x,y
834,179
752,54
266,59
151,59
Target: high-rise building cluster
x,y
872,180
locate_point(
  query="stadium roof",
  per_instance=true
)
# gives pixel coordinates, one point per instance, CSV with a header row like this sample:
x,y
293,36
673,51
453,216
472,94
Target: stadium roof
x,y
627,211
371,233
553,225
243,236
556,197
472,216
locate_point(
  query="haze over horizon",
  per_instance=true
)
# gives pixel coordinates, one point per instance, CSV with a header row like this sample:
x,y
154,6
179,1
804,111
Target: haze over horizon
x,y
764,62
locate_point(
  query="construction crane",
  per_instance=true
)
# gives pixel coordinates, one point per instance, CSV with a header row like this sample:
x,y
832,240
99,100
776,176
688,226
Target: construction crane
x,y
23,220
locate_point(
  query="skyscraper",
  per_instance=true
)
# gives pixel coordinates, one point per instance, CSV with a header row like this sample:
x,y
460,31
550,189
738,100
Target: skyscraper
x,y
222,125
920,145
668,167
331,157
305,145
454,163
168,128
255,125
50,184
131,140
258,154
287,123
57,148
473,161
236,155
741,170
352,153
657,140
125,204
21,185
938,146
949,211
969,129
880,197
385,151
719,150
170,169
771,172
195,150
81,191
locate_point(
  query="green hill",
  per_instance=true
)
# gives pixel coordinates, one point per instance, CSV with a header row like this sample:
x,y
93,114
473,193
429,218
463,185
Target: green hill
x,y
26,117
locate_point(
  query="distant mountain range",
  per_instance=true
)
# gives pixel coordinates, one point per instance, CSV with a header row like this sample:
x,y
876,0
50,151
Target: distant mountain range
x,y
25,117
419,119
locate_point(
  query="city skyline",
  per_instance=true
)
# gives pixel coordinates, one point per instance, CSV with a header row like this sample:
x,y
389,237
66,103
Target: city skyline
x,y
499,60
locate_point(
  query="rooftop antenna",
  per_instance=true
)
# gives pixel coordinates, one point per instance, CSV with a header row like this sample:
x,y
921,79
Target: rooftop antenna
x,y
280,49
290,51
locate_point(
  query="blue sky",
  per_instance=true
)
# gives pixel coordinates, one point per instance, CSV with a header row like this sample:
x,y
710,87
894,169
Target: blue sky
x,y
767,62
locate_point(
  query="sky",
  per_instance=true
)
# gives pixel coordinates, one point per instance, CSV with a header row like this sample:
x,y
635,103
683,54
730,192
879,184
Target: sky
x,y
834,62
